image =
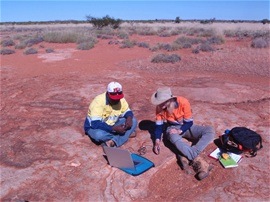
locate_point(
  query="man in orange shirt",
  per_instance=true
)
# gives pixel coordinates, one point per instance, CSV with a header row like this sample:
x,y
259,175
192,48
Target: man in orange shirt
x,y
174,115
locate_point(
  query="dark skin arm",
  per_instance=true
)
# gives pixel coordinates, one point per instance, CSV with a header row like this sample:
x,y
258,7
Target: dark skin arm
x,y
128,123
124,127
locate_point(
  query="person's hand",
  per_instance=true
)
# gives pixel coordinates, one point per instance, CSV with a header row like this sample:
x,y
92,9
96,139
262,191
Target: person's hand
x,y
128,123
156,148
175,131
119,129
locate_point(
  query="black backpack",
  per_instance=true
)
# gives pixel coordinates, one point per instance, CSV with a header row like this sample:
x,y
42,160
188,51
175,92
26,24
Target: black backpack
x,y
241,139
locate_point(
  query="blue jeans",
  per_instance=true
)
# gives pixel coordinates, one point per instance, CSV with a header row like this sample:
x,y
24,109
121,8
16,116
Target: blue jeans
x,y
200,137
119,139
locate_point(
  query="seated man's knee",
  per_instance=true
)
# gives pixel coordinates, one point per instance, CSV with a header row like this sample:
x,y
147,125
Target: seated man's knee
x,y
209,130
174,138
96,135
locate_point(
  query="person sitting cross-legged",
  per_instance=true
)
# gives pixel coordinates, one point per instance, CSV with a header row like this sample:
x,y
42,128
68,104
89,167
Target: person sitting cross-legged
x,y
109,120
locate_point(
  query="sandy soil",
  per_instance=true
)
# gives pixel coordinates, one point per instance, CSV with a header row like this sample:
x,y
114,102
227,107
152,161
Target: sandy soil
x,y
45,155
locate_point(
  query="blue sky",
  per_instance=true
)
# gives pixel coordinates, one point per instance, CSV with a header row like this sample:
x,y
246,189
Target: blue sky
x,y
35,10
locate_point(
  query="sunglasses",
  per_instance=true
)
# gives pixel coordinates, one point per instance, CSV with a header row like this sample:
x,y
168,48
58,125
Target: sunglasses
x,y
116,93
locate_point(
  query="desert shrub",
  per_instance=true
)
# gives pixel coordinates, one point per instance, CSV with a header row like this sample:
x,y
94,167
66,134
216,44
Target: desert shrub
x,y
265,21
49,50
86,45
7,42
215,40
145,31
154,48
260,43
61,37
200,32
182,44
175,31
186,42
207,33
176,46
240,34
30,51
128,44
261,33
205,47
164,46
237,33
21,45
130,30
32,41
105,31
88,39
165,34
196,50
7,51
122,35
163,58
104,36
177,20
143,44
210,21
104,22
113,42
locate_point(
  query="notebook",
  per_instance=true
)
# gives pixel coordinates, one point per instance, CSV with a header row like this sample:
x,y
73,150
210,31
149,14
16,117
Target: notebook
x,y
130,163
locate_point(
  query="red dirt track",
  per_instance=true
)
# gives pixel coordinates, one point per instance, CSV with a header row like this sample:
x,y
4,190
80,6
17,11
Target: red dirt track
x,y
45,155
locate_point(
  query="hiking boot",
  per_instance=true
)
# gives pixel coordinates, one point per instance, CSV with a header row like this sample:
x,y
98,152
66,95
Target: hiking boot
x,y
182,162
201,167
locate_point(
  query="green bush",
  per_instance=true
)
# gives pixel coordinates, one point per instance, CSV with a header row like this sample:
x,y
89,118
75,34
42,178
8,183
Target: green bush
x,y
177,20
104,22
163,58
265,21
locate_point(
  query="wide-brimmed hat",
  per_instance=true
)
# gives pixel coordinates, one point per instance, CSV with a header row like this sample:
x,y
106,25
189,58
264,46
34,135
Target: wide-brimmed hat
x,y
161,95
115,91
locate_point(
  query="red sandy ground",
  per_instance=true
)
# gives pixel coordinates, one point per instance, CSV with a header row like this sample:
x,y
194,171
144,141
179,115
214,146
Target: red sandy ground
x,y
45,155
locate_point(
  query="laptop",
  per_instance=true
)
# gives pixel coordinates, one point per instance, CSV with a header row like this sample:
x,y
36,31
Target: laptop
x,y
130,163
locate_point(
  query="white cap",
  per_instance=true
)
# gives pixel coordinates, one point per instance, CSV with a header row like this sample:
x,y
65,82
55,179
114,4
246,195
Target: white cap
x,y
114,90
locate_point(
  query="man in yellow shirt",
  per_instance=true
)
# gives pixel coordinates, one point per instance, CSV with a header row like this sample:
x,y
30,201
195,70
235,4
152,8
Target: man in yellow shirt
x,y
174,118
109,119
